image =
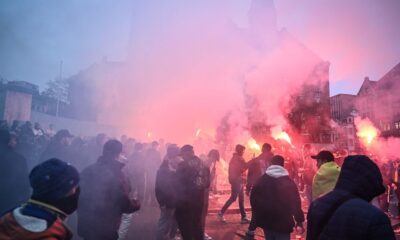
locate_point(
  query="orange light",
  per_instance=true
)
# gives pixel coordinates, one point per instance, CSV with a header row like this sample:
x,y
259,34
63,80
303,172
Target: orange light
x,y
366,131
253,145
279,134
198,132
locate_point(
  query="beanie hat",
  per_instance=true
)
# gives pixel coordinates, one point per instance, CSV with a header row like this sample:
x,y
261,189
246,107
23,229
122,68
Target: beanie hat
x,y
53,179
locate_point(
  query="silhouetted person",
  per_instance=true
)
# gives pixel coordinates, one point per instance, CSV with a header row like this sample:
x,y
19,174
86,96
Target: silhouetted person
x,y
14,185
152,163
258,165
136,171
58,147
210,162
55,196
237,179
105,196
275,202
346,212
166,193
192,180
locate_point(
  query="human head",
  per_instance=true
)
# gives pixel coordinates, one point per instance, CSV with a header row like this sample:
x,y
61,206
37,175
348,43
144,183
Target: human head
x,y
214,155
266,147
173,151
278,160
55,182
154,144
360,176
239,149
63,136
37,125
112,149
323,157
187,152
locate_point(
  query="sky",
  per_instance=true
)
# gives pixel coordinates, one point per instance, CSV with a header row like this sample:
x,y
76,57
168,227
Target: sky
x,y
359,38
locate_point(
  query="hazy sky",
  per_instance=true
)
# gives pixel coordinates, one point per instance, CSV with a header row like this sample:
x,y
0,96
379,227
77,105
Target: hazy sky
x,y
359,37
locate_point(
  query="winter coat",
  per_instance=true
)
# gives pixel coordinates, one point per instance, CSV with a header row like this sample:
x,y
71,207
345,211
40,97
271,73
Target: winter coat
x,y
31,222
237,169
166,186
193,178
256,168
356,218
325,179
14,184
275,201
104,198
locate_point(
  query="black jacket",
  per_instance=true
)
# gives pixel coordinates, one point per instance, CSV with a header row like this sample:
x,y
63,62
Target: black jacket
x,y
14,184
193,178
103,199
356,218
275,201
256,168
237,169
166,186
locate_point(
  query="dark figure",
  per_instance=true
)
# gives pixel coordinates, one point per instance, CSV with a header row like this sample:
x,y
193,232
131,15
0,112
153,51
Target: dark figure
x,y
14,185
152,163
346,213
275,201
165,190
210,162
192,180
104,196
26,144
237,179
136,171
58,147
256,168
55,196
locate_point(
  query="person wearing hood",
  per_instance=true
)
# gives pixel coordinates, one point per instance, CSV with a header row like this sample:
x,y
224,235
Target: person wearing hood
x,y
55,195
275,203
14,185
165,189
326,177
105,196
346,212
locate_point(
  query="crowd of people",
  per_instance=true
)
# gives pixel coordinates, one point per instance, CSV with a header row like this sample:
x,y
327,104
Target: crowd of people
x,y
46,176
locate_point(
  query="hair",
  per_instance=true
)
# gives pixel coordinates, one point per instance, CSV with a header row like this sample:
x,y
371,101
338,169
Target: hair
x,y
112,148
214,154
277,160
266,147
239,148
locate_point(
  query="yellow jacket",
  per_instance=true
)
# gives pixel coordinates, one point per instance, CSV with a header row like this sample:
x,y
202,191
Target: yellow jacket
x,y
325,179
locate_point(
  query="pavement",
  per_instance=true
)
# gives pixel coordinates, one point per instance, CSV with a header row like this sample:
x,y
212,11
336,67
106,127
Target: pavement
x,y
145,221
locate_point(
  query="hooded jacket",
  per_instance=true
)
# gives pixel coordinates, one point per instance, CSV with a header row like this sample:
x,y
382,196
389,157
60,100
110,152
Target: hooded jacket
x,y
355,219
275,201
31,222
325,179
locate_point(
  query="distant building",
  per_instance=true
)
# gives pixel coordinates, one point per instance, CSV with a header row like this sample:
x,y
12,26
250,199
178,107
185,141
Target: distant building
x,y
16,100
378,101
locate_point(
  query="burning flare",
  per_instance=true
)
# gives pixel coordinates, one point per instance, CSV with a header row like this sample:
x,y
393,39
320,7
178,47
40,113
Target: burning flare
x,y
366,131
253,145
278,134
